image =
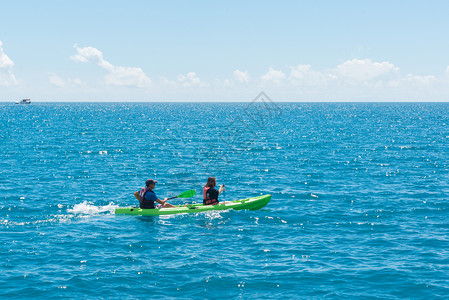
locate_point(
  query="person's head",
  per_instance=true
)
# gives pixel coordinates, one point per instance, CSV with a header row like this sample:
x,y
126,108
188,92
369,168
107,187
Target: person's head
x,y
211,182
150,183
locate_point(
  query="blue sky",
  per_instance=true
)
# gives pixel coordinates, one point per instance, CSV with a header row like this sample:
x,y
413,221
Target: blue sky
x,y
224,50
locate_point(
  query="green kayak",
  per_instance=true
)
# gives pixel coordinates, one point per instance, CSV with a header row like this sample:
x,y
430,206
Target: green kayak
x,y
253,203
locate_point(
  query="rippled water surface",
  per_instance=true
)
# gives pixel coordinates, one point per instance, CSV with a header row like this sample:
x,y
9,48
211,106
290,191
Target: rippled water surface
x,y
360,203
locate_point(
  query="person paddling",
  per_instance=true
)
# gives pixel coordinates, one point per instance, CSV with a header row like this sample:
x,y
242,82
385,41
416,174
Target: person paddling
x,y
210,194
147,197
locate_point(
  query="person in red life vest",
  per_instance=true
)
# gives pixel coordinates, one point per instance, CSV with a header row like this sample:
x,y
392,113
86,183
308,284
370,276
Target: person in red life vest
x,y
210,194
147,197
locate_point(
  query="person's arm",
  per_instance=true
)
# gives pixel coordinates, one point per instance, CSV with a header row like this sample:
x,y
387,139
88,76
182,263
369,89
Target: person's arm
x,y
136,194
222,189
161,201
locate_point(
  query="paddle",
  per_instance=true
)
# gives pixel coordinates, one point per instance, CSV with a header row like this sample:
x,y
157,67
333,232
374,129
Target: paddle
x,y
186,194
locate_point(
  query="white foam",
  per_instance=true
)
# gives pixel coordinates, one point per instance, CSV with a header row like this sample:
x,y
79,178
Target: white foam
x,y
88,208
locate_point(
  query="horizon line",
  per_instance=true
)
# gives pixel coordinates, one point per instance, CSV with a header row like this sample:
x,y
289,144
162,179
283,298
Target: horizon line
x,y
246,101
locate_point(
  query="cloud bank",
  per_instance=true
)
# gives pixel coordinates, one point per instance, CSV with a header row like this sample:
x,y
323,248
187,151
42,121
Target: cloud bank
x,y
351,80
354,80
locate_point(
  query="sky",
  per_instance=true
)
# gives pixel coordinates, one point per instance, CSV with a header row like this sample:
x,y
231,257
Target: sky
x,y
220,51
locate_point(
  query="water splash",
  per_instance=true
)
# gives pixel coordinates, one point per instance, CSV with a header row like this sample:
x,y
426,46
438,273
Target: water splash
x,y
88,208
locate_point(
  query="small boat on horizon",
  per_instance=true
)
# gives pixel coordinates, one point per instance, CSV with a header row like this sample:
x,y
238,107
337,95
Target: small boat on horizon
x,y
24,101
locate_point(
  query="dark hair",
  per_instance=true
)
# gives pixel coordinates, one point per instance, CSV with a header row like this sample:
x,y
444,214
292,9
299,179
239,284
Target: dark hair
x,y
211,182
150,181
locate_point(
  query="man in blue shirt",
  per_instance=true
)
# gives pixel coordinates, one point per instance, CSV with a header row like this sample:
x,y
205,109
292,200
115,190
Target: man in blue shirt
x,y
147,197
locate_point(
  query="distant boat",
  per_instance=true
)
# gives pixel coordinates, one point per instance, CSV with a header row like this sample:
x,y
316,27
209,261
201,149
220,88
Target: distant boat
x,y
24,101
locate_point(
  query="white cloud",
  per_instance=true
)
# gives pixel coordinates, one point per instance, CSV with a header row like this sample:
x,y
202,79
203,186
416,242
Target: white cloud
x,y
412,81
300,72
7,77
416,79
350,73
190,80
117,75
87,54
242,77
273,76
5,61
363,70
304,75
126,76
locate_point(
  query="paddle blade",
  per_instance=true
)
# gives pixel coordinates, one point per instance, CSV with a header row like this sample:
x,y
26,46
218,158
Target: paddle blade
x,y
187,194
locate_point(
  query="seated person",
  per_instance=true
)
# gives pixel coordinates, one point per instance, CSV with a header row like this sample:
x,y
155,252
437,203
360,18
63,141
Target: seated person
x,y
147,197
210,194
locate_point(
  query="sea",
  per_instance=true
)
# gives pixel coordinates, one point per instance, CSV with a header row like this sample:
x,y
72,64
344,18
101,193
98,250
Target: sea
x,y
359,208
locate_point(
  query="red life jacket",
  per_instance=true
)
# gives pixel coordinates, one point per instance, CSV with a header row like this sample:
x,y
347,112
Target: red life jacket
x,y
143,202
206,199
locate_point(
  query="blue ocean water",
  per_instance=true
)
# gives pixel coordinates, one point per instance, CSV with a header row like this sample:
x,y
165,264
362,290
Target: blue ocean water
x,y
360,205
